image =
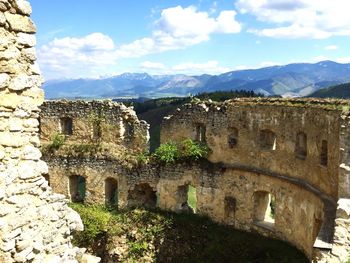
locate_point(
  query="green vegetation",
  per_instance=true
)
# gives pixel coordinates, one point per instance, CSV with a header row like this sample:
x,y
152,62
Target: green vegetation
x,y
156,236
192,198
167,153
341,91
96,222
57,140
171,152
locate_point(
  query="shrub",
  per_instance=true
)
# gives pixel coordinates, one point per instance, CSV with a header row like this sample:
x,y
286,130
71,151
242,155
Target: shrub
x,y
194,150
167,152
95,219
57,140
188,150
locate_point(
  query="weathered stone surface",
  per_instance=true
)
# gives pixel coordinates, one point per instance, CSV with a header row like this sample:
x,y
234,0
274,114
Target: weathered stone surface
x,y
28,40
2,18
10,53
89,259
20,23
24,81
27,235
23,7
4,80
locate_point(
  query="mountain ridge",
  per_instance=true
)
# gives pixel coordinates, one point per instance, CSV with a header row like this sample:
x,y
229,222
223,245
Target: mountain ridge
x,y
297,79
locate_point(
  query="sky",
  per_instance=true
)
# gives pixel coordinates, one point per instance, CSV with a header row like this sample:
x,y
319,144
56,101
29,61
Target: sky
x,y
92,39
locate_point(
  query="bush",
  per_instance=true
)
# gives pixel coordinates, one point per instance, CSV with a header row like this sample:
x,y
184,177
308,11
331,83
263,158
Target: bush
x,y
95,219
194,150
57,140
167,152
187,150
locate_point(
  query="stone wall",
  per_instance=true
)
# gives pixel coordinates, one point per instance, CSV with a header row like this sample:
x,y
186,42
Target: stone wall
x,y
35,223
245,124
106,123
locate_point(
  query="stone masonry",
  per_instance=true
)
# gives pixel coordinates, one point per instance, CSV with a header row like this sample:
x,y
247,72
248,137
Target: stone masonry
x,y
290,156
35,223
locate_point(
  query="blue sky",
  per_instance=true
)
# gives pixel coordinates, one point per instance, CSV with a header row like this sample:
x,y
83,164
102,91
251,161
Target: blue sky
x,y
92,38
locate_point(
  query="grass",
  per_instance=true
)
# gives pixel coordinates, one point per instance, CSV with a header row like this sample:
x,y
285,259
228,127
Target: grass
x,y
192,198
141,235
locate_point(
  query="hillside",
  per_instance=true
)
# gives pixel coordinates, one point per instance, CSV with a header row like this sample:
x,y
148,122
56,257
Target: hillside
x,y
156,236
338,91
299,79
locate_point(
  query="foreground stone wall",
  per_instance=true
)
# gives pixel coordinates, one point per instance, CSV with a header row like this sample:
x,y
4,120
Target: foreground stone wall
x,y
35,223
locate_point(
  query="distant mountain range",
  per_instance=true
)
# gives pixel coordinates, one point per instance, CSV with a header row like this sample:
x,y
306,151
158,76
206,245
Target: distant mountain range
x,y
341,91
299,79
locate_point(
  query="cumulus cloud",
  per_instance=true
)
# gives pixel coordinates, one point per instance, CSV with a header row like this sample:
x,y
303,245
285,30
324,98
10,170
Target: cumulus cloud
x,y
316,19
177,28
67,57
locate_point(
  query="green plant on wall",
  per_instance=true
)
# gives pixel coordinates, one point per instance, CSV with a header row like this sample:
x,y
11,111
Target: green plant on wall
x,y
57,140
167,152
187,150
194,150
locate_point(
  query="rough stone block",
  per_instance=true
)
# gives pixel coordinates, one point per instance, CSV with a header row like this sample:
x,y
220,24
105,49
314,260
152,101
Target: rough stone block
x,y
27,40
4,80
23,7
20,23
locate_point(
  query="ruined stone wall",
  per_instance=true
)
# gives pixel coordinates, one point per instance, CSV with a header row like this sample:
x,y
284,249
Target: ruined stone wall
x,y
35,223
94,122
298,212
243,122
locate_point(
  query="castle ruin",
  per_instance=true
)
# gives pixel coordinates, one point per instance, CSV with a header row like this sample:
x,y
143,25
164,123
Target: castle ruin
x,y
289,156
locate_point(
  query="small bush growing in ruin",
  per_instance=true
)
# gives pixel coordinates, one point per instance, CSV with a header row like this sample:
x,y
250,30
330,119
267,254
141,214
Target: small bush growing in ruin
x,y
187,150
194,150
167,152
57,140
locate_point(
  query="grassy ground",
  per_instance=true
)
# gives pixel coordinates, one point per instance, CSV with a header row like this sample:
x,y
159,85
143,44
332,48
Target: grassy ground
x,y
192,198
156,236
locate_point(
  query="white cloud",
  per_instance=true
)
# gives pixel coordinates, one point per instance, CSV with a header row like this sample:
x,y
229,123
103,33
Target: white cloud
x,y
331,47
177,28
76,57
316,19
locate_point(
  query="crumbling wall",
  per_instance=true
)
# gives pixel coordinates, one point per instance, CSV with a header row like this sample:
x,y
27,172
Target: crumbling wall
x,y
265,137
35,223
107,123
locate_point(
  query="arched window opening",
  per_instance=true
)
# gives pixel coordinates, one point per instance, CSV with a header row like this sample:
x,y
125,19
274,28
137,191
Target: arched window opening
x,y
66,124
142,195
230,209
187,198
129,130
77,188
200,133
232,139
267,140
301,146
264,209
111,192
324,153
